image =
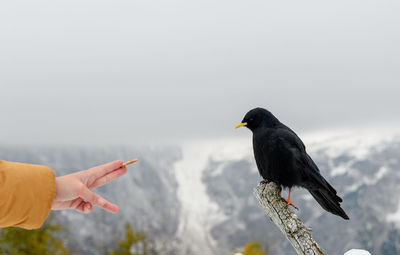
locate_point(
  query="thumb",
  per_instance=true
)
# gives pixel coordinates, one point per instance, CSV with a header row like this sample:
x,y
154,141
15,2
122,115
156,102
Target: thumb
x,y
98,201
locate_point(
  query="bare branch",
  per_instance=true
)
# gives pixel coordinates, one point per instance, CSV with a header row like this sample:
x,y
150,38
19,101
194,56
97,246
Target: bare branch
x,y
269,197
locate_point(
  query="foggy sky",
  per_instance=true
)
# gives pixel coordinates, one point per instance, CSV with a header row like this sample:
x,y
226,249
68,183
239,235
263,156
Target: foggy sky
x,y
147,71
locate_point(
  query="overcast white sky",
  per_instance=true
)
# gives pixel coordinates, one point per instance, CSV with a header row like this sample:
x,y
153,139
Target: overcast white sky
x,y
146,71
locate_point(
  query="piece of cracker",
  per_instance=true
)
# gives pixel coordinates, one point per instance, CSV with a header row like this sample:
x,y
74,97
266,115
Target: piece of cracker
x,y
129,162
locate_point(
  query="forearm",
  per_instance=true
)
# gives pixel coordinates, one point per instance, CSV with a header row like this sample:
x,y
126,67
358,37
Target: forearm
x,y
26,194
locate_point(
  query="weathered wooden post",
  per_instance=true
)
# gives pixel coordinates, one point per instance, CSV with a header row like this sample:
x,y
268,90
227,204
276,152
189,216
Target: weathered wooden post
x,y
269,197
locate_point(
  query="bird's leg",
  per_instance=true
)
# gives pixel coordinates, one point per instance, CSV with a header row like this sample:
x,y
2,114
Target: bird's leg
x,y
264,181
288,200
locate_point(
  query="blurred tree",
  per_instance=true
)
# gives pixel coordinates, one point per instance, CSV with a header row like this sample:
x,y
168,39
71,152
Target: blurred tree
x,y
134,244
44,241
253,248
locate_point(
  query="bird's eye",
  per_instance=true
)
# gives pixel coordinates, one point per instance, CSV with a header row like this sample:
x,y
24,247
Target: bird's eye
x,y
251,119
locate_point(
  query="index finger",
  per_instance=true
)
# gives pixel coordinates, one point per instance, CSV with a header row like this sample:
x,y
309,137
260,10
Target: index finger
x,y
99,171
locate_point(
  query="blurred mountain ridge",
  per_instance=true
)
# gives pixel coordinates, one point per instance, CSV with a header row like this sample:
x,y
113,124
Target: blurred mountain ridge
x,y
196,198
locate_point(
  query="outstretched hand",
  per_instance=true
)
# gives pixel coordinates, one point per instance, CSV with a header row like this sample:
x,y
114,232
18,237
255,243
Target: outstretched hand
x,y
73,191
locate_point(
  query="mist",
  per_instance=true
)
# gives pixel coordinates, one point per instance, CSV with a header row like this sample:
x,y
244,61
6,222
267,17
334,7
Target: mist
x,y
155,71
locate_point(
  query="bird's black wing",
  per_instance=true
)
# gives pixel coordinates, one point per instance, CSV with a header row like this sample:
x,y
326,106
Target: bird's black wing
x,y
302,161
311,178
276,151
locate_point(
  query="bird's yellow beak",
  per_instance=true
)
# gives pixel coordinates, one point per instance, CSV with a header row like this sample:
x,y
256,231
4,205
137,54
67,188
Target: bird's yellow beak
x,y
241,124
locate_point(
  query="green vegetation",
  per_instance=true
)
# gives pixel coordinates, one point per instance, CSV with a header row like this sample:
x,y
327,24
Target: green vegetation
x,y
253,248
43,241
133,244
48,240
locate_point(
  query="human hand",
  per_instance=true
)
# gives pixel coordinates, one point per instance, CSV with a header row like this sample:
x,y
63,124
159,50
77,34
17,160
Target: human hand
x,y
73,191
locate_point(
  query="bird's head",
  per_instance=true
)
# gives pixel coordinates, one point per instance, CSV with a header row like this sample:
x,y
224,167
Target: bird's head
x,y
258,117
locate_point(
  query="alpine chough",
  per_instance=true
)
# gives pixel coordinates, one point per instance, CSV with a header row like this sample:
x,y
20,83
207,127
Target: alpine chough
x,y
281,157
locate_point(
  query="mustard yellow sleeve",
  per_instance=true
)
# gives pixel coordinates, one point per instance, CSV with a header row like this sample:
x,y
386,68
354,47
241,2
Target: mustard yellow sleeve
x,y
26,194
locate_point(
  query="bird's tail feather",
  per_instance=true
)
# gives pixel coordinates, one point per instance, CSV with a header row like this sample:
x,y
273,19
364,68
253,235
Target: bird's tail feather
x,y
325,194
329,201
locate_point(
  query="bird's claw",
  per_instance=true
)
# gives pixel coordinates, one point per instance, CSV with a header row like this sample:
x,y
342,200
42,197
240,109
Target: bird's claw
x,y
264,181
288,202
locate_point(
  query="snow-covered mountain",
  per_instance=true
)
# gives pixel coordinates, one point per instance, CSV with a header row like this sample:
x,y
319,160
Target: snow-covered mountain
x,y
196,198
146,195
365,170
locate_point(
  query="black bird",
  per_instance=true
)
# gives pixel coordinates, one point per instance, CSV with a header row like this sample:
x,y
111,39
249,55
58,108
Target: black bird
x,y
281,157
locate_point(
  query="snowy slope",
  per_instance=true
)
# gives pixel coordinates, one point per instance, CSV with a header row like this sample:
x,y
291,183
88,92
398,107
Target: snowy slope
x,y
198,212
196,198
216,179
146,195
364,168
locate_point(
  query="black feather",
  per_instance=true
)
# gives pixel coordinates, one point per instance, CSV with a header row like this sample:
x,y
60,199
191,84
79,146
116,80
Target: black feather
x,y
281,157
